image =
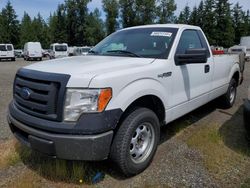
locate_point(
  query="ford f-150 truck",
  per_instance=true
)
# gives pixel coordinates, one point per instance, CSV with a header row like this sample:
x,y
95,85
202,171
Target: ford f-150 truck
x,y
111,103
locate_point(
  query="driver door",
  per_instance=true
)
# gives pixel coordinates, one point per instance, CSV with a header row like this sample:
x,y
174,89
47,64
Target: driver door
x,y
192,81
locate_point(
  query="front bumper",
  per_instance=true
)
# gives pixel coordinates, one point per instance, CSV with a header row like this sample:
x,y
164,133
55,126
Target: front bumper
x,y
87,139
247,116
63,146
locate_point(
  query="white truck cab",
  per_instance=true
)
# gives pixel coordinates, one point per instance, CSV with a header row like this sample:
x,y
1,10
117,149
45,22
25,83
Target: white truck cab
x,y
7,52
58,50
111,102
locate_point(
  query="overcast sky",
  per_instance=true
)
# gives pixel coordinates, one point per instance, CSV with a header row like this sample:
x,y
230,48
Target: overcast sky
x,y
45,7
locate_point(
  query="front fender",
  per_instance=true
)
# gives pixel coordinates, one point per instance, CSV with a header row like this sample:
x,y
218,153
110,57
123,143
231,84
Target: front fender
x,y
136,89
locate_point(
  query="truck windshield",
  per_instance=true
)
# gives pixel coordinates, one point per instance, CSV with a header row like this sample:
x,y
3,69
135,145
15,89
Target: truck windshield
x,y
141,42
3,48
61,48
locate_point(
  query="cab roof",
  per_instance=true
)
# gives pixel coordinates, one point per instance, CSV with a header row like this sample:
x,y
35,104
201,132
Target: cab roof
x,y
177,26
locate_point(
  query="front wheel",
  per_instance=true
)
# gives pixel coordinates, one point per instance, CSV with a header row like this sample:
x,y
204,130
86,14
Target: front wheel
x,y
230,97
136,141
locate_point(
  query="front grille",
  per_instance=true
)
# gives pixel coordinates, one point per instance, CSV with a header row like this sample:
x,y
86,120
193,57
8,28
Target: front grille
x,y
40,94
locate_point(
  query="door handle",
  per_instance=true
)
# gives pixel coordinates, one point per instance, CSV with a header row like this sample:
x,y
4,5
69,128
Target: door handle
x,y
207,68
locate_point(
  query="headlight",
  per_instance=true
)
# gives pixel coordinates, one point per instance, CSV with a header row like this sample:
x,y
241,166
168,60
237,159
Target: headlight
x,y
79,101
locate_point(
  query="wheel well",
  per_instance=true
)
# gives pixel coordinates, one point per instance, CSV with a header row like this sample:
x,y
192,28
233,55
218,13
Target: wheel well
x,y
236,76
149,101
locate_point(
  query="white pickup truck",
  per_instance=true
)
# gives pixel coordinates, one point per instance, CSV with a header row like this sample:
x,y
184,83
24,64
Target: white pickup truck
x,y
111,103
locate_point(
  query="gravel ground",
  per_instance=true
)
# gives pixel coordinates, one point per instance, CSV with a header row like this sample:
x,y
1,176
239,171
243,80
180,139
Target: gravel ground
x,y
7,74
175,164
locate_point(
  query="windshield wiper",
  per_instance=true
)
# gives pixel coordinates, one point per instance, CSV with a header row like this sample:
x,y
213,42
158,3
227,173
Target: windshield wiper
x,y
124,52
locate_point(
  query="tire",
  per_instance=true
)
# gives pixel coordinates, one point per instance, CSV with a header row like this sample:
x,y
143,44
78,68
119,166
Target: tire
x,y
230,96
13,59
139,124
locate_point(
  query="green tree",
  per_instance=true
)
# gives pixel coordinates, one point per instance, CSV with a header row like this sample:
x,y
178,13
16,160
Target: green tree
x,y
1,26
58,25
145,11
209,17
10,25
200,13
246,24
111,8
184,16
39,28
26,33
224,26
194,19
77,13
34,30
238,23
95,25
128,13
165,11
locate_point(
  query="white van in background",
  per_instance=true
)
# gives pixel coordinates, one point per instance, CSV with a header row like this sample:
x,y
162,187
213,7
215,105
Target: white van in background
x,y
58,50
237,49
245,41
7,52
32,51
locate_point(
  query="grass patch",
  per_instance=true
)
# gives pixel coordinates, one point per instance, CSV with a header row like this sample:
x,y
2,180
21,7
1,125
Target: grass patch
x,y
223,163
246,184
209,142
57,170
27,179
9,155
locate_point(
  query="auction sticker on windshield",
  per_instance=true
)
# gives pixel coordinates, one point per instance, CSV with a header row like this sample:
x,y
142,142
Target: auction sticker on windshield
x,y
161,34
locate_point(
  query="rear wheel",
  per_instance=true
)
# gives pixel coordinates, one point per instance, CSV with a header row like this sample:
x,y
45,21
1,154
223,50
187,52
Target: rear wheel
x,y
136,141
230,96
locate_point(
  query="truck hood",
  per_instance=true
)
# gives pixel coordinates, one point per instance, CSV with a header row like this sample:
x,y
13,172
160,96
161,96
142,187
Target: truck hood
x,y
83,68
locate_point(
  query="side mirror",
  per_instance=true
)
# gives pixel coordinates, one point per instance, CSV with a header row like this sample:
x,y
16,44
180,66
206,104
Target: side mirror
x,y
192,56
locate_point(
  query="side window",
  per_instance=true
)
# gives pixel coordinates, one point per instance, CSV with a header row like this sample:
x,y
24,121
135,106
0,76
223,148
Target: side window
x,y
9,48
189,39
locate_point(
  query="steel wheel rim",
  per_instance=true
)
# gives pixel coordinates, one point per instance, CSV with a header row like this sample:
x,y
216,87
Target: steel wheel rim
x,y
142,142
232,94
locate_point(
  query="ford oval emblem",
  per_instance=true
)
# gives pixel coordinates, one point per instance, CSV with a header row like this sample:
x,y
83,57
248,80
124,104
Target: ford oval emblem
x,y
25,93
